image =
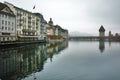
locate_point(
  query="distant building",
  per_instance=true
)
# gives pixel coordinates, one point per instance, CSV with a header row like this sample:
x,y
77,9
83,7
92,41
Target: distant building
x,y
110,34
117,34
7,24
101,31
63,33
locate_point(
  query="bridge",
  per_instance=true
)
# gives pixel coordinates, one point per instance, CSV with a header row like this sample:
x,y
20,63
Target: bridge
x,y
110,38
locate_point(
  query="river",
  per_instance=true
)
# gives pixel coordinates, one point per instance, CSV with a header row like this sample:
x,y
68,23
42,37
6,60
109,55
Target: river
x,y
72,60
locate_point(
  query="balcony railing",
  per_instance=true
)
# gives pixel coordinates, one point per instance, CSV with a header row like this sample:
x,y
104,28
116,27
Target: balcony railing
x,y
29,30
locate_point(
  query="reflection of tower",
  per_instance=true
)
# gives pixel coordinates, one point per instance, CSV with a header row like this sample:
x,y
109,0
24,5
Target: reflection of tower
x,y
101,46
109,43
101,31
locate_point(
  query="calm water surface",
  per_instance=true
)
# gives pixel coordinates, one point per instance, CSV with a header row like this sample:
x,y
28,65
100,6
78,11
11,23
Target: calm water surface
x,y
73,60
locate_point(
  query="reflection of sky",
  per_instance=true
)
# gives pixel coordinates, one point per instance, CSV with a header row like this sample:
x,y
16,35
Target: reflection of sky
x,y
84,61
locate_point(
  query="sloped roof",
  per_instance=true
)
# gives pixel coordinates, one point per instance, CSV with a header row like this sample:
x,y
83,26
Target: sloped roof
x,y
101,29
2,6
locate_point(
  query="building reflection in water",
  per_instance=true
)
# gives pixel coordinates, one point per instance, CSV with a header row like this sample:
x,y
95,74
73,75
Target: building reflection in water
x,y
17,63
55,48
101,46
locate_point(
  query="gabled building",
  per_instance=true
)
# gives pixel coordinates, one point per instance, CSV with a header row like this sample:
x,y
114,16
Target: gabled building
x,y
27,24
7,24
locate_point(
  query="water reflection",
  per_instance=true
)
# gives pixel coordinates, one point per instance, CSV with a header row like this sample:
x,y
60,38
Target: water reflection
x,y
17,63
101,46
55,48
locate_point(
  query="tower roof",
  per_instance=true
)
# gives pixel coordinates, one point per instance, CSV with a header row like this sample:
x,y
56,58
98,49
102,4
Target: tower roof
x,y
50,22
101,29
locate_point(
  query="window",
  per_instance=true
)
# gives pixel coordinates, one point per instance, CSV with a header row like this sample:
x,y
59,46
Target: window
x,y
8,22
5,28
12,29
3,39
7,38
2,27
12,24
17,20
9,28
9,17
2,21
11,38
3,15
5,22
19,32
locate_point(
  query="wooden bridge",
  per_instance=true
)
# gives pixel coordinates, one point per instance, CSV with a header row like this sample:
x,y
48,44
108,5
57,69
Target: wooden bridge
x,y
111,38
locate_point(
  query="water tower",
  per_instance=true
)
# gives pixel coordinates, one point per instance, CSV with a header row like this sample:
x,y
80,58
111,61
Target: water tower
x,y
101,31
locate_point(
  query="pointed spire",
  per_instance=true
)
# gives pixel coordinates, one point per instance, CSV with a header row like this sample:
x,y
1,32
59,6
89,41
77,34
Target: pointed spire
x,y
101,29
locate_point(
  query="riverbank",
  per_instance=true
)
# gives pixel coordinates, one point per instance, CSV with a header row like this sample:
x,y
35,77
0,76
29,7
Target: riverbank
x,y
19,43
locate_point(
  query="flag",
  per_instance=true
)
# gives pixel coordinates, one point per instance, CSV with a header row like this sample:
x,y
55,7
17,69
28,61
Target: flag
x,y
34,7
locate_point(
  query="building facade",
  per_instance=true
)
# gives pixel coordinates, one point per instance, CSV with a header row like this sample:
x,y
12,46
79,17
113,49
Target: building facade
x,y
42,26
7,24
17,24
27,24
50,28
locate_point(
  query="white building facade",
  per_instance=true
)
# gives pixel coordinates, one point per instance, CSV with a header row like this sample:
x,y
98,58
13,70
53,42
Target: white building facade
x,y
27,24
7,24
42,26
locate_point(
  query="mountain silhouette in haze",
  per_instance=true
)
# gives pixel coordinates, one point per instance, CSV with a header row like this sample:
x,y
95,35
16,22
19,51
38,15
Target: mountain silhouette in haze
x,y
76,33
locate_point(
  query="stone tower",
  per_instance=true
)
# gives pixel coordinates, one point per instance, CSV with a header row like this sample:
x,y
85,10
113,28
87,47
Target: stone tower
x,y
101,31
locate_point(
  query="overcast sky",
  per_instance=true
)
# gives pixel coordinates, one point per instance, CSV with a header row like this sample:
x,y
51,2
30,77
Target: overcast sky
x,y
77,15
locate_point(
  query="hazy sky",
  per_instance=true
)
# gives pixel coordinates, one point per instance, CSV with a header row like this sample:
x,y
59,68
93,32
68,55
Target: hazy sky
x,y
77,15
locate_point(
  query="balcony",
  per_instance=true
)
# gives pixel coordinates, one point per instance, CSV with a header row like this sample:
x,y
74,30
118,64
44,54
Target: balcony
x,y
29,30
5,33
